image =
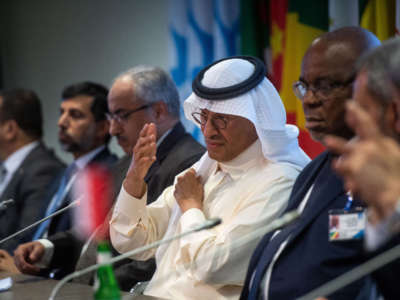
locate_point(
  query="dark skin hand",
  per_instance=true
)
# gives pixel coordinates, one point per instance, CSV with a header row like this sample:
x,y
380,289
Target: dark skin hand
x,y
7,262
26,255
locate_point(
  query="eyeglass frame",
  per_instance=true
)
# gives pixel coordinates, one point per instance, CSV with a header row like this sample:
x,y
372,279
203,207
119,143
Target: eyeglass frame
x,y
123,116
322,92
224,119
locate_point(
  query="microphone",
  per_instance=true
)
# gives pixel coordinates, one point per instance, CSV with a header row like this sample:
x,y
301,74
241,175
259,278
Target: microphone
x,y
354,274
272,226
57,212
206,225
6,204
210,223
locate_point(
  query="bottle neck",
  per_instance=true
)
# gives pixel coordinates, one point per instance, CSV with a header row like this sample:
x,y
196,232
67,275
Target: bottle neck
x,y
103,252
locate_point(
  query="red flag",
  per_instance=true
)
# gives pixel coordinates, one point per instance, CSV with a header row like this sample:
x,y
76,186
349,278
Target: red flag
x,y
94,190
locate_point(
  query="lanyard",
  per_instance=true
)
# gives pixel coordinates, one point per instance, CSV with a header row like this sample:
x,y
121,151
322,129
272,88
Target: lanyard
x,y
349,200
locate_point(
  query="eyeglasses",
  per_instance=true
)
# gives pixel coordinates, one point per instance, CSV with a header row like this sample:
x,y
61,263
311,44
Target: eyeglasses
x,y
219,122
321,89
123,116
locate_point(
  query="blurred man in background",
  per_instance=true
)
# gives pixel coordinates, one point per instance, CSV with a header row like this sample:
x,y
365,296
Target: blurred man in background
x,y
27,166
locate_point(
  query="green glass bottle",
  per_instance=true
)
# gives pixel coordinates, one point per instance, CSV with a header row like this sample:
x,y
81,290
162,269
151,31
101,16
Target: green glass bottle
x,y
106,286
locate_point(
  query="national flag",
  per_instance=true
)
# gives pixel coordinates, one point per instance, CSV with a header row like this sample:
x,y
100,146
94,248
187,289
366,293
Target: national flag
x,y
201,32
379,17
291,35
93,188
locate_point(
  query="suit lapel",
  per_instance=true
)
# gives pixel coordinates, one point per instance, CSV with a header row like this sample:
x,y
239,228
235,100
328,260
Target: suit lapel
x,y
164,148
298,194
170,141
9,191
327,187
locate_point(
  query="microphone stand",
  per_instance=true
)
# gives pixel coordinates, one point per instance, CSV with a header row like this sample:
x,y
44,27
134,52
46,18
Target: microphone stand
x,y
72,204
354,274
206,225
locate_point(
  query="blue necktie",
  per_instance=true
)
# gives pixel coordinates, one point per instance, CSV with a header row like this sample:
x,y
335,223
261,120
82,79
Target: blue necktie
x,y
56,201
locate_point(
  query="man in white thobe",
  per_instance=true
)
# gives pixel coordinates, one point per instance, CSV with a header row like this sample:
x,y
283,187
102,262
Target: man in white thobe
x,y
245,178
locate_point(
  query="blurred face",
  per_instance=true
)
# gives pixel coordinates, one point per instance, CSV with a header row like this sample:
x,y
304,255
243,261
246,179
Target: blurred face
x,y
128,114
382,114
226,136
77,127
327,74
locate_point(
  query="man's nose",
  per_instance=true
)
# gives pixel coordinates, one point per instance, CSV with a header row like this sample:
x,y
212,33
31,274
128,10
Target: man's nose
x,y
310,99
209,128
115,128
62,120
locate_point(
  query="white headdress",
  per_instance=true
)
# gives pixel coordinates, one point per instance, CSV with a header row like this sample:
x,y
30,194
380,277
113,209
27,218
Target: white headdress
x,y
227,83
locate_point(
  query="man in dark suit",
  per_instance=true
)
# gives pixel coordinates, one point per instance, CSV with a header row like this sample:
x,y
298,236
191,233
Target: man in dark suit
x,y
291,262
138,96
27,165
83,132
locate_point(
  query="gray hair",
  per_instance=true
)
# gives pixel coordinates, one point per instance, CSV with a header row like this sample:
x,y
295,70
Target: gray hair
x,y
382,66
153,84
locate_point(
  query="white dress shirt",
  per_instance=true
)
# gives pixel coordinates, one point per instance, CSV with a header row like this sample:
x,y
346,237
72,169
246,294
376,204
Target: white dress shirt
x,y
246,193
14,161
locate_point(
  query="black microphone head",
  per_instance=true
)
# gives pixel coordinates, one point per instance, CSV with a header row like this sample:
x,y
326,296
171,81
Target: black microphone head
x,y
6,204
210,223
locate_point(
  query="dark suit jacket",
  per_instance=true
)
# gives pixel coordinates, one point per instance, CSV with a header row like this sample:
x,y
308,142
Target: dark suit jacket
x,y
387,277
177,152
28,187
62,222
309,259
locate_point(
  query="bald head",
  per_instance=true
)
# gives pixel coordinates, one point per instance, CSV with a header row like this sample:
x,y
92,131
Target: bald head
x,y
328,71
356,40
341,48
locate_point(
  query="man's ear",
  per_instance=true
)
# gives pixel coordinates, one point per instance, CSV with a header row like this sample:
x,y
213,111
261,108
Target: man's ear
x,y
10,130
103,129
160,110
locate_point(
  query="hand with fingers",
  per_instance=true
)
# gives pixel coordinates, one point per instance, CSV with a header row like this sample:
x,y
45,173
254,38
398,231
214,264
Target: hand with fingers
x,y
7,262
144,155
189,191
370,164
26,255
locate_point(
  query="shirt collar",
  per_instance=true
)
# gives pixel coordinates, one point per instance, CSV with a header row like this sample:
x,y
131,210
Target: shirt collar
x,y
244,161
162,138
14,161
82,161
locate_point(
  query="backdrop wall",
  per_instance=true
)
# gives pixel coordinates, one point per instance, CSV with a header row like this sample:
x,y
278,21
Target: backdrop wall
x,y
47,44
